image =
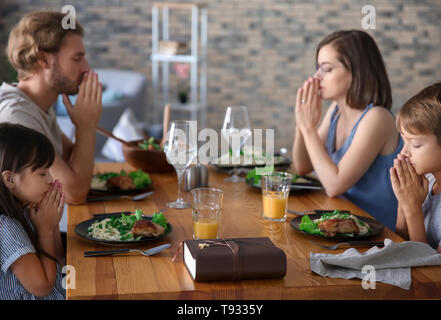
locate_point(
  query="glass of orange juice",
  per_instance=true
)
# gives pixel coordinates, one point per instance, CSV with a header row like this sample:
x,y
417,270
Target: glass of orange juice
x,y
206,212
275,192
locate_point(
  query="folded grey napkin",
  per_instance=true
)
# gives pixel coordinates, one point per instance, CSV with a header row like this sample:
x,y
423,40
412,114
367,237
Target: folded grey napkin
x,y
391,264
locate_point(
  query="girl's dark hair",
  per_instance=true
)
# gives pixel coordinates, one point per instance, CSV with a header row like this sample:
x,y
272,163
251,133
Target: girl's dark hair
x,y
21,148
359,53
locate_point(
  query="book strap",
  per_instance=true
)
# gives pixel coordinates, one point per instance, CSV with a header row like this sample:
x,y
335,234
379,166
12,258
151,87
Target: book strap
x,y
178,249
237,274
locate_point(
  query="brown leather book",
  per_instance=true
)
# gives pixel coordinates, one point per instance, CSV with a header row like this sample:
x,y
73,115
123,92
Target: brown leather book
x,y
233,259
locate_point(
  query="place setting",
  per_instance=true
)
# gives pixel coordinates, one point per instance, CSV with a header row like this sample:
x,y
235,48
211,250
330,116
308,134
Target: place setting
x,y
146,155
124,228
321,224
241,156
336,225
298,182
134,228
135,185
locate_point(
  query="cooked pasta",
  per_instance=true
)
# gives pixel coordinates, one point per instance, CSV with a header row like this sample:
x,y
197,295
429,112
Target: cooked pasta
x,y
121,228
103,230
98,184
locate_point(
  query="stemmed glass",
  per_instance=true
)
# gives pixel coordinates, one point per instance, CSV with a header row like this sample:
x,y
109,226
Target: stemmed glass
x,y
180,149
237,126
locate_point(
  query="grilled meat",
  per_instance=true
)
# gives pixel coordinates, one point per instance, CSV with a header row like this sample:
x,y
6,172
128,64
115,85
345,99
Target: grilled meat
x,y
147,228
120,182
333,226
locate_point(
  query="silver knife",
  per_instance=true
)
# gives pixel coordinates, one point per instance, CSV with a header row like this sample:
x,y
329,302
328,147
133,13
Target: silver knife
x,y
146,253
111,197
302,213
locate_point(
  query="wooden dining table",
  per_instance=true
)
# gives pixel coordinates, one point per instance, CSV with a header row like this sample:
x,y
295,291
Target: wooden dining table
x,y
134,276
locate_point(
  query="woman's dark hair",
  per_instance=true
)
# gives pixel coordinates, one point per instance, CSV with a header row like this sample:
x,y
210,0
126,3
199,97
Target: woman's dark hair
x,y
21,148
359,53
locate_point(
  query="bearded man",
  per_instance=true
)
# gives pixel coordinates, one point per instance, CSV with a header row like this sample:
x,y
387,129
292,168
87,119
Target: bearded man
x,y
50,60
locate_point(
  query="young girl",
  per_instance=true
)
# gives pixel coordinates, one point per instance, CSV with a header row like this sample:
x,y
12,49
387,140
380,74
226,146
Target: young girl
x,y
419,196
354,146
31,206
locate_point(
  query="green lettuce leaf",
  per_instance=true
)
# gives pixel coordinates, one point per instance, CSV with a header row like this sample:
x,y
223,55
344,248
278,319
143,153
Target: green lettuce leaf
x,y
138,214
310,226
255,178
140,178
159,218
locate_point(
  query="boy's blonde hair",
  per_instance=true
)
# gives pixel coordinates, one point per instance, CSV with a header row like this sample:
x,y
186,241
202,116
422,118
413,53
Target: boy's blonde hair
x,y
421,114
36,32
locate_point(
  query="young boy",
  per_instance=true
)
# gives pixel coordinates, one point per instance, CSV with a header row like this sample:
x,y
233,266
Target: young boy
x,y
416,175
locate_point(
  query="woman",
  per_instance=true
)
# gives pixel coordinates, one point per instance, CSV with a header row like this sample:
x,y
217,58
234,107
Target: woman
x,y
355,145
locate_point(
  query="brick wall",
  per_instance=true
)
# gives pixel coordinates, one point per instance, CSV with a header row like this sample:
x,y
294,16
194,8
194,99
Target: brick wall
x,y
260,51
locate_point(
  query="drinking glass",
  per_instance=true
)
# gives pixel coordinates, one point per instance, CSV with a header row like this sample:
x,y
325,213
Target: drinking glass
x,y
275,192
237,127
180,149
206,215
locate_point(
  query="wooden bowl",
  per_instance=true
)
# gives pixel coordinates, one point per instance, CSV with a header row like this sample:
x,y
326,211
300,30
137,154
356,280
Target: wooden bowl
x,y
146,160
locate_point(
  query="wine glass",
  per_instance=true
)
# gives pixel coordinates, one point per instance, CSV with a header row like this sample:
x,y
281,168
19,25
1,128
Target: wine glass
x,y
180,149
237,126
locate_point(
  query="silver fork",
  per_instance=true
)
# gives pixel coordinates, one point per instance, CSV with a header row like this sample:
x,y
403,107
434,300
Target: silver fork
x,y
146,253
351,243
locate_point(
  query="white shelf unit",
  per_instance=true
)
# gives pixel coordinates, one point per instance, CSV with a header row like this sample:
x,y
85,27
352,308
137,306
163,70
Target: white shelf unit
x,y
197,59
